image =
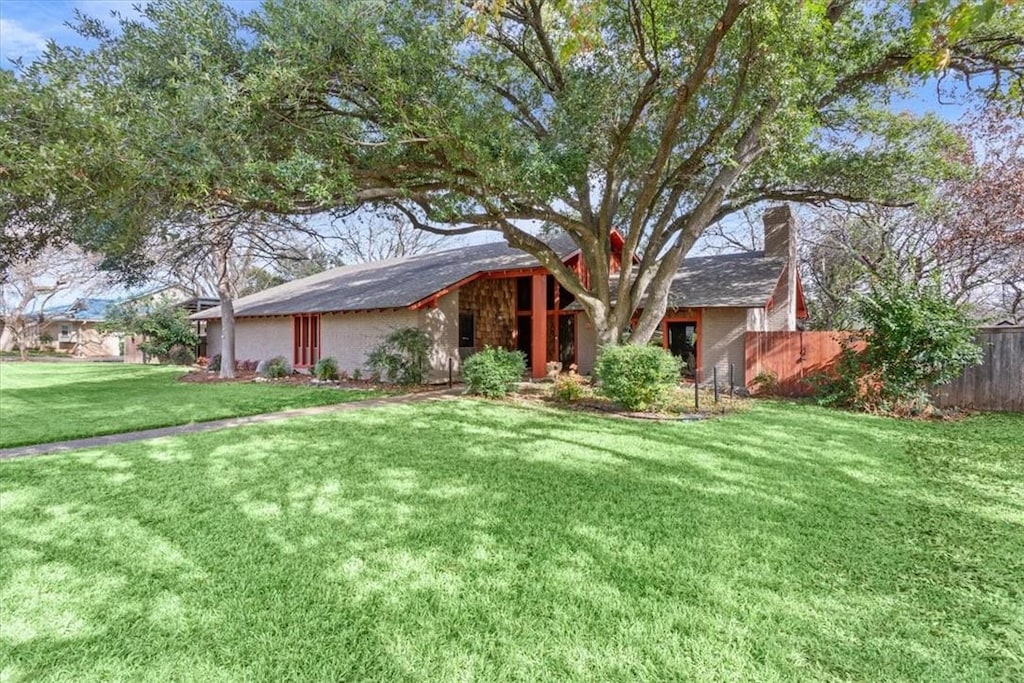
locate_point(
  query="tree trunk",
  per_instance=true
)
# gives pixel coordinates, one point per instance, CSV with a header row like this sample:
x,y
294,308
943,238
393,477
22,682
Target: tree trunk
x,y
22,337
227,317
227,336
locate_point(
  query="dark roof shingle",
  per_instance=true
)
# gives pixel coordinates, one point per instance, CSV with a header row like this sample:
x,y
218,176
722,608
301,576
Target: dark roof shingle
x,y
394,283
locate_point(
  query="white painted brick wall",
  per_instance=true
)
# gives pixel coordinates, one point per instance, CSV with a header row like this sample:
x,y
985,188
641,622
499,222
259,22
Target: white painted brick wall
x,y
349,337
722,342
442,325
587,339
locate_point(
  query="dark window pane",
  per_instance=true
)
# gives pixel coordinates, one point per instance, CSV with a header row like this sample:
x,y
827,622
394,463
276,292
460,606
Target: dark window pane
x,y
524,301
467,336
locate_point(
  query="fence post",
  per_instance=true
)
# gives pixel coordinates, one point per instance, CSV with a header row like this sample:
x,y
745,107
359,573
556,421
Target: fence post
x,y
450,363
696,389
714,381
732,385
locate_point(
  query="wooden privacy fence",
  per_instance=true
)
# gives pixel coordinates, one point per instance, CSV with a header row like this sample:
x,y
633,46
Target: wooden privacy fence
x,y
793,357
996,384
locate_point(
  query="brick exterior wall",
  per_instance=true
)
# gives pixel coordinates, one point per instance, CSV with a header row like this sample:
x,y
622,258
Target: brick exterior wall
x,y
348,337
722,342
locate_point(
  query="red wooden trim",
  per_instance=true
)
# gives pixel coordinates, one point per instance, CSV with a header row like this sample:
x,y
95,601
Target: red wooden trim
x,y
539,325
306,339
517,272
801,304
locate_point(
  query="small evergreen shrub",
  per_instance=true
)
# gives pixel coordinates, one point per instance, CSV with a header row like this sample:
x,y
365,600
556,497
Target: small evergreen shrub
x,y
637,377
326,369
568,387
357,375
275,368
493,372
179,354
214,364
402,357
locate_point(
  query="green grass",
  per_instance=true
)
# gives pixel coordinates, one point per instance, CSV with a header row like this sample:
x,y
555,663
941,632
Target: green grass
x,y
42,402
466,540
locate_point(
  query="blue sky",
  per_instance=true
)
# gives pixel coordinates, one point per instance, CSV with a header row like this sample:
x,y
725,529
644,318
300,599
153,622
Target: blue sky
x,y
26,25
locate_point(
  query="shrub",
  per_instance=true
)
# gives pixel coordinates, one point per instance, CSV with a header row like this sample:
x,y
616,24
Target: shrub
x,y
402,357
326,369
246,365
180,355
493,372
916,338
357,375
275,368
568,387
765,383
163,326
637,377
214,364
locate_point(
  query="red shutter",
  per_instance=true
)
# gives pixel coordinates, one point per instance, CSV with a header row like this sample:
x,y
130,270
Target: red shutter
x,y
306,340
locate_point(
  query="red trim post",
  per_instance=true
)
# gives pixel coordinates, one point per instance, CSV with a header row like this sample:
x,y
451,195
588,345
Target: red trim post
x,y
539,326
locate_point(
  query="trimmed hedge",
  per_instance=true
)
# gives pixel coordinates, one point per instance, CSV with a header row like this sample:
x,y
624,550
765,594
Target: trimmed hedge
x,y
493,372
637,377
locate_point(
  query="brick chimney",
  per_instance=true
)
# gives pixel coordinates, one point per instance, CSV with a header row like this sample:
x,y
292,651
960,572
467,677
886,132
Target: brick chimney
x,y
780,240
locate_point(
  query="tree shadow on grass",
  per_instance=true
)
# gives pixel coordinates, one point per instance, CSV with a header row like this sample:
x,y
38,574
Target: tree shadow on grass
x,y
466,539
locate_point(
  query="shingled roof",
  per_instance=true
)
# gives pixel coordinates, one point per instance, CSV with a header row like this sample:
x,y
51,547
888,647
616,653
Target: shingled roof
x,y
725,281
394,283
729,280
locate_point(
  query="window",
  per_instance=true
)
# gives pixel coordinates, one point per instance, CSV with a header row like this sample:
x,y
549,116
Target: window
x,y
467,330
65,332
306,340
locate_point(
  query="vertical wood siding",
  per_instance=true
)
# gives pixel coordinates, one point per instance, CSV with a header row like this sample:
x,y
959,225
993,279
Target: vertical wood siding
x,y
996,384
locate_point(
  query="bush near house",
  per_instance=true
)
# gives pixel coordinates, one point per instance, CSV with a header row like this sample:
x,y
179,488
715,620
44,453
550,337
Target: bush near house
x,y
402,356
637,377
493,372
326,369
569,387
275,368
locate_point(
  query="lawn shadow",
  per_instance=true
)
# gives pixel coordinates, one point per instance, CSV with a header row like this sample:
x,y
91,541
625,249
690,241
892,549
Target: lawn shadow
x,y
424,542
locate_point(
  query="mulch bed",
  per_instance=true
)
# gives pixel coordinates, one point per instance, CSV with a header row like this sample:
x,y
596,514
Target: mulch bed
x,y
299,379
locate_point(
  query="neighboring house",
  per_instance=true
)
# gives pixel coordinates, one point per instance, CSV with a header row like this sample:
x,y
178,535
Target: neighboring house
x,y
493,295
74,329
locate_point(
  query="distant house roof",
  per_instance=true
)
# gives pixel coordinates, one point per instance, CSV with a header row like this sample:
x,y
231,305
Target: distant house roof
x,y
394,283
86,310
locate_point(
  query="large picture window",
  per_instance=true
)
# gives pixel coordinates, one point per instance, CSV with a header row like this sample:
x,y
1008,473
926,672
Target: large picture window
x,y
306,340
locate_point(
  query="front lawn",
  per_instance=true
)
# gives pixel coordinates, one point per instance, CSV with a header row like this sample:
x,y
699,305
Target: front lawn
x,y
467,540
42,402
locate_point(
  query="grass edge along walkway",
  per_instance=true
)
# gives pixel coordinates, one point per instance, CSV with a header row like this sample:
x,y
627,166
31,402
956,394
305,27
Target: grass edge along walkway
x,y
211,425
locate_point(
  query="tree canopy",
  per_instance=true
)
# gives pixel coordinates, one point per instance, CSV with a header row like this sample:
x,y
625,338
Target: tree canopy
x,y
655,118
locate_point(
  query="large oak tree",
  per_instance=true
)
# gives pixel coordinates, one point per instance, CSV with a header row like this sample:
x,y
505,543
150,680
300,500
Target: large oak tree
x,y
656,118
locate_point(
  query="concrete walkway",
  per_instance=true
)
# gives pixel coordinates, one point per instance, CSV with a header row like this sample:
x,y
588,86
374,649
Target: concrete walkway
x,y
195,427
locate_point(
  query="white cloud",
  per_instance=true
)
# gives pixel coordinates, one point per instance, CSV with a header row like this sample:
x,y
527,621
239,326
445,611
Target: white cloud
x,y
18,41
